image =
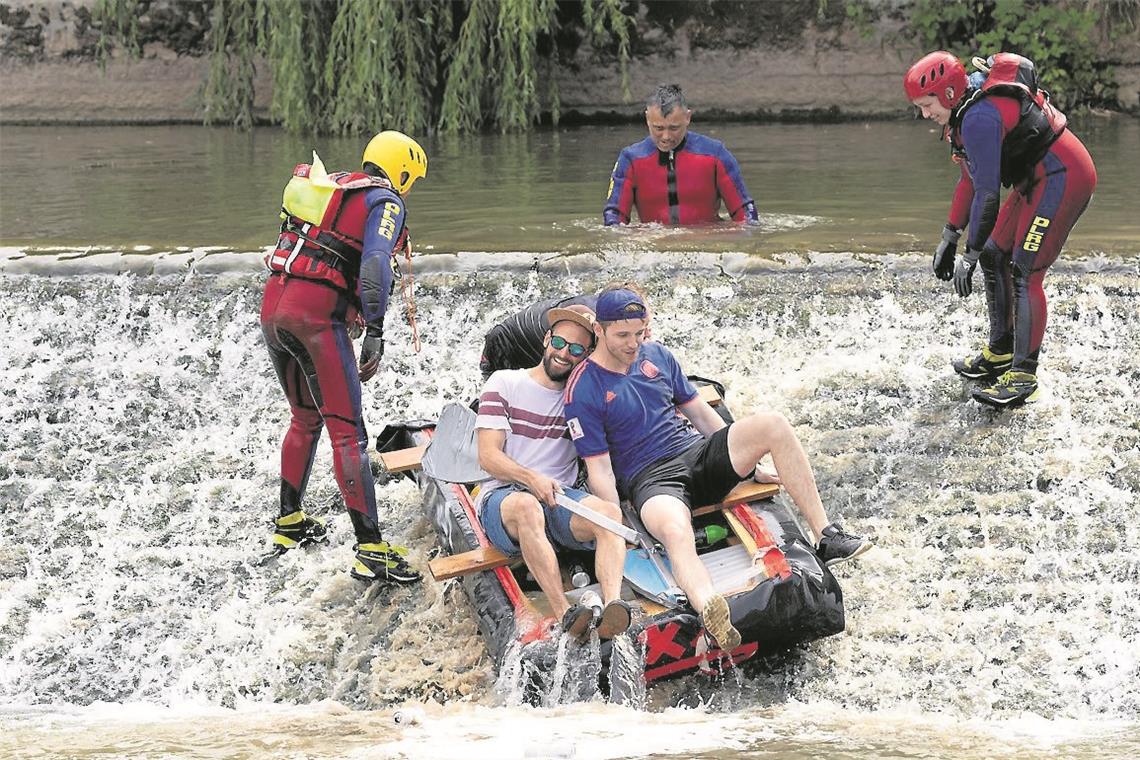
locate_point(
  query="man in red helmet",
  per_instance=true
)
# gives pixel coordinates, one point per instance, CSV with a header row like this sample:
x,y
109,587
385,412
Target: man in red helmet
x,y
1003,130
331,264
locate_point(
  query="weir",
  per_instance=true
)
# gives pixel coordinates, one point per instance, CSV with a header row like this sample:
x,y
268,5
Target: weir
x,y
140,431
138,472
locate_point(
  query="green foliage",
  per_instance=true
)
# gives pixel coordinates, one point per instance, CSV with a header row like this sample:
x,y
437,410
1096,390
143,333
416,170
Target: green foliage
x,y
289,26
861,15
606,19
462,109
1057,36
233,40
356,67
119,20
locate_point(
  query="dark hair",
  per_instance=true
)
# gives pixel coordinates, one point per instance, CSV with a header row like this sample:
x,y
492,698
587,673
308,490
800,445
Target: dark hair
x,y
666,97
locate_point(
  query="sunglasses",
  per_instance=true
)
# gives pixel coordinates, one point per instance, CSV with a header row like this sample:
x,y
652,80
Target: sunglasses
x,y
557,342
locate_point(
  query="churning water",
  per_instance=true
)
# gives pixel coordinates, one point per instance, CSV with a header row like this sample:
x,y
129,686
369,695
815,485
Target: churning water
x,y
999,614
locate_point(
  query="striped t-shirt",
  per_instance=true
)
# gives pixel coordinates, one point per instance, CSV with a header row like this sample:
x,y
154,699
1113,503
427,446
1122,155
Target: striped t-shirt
x,y
533,418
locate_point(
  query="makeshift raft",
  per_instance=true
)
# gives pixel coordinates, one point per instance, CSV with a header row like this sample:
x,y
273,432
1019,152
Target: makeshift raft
x,y
779,592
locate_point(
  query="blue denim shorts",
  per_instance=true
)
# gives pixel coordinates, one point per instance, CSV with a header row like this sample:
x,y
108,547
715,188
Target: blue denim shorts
x,y
557,521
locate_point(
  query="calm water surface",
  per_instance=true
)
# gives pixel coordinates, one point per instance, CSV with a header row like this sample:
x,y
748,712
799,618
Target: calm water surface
x,y
882,186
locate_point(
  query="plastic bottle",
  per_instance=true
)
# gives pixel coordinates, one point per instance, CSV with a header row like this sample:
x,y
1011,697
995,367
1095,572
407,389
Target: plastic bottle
x,y
579,578
711,534
591,599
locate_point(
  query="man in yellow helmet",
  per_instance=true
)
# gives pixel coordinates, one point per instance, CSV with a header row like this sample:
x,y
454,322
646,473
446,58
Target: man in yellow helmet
x,y
331,265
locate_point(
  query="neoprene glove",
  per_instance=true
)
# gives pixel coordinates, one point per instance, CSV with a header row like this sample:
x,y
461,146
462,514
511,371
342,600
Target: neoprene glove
x,y
371,351
944,253
965,271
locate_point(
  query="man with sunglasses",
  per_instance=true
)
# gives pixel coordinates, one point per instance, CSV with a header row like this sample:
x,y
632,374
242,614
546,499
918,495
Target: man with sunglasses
x,y
621,410
525,447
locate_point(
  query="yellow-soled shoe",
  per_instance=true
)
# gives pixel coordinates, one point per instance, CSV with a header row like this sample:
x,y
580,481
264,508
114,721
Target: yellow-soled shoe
x,y
985,366
383,562
297,529
1011,389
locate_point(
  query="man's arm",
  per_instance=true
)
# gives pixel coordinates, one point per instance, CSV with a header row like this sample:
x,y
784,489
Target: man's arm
x,y
600,478
385,222
982,136
619,199
704,417
498,465
730,185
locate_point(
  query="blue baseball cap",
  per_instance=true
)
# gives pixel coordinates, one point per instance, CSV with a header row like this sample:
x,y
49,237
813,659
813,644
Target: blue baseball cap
x,y
616,305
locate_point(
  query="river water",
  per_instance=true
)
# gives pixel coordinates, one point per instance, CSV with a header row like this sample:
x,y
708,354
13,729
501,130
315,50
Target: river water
x,y
999,615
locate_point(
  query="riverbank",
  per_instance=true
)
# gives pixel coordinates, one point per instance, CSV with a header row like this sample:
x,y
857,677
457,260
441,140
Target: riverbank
x,y
778,68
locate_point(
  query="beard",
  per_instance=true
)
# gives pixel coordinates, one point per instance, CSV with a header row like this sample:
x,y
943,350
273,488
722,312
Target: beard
x,y
555,373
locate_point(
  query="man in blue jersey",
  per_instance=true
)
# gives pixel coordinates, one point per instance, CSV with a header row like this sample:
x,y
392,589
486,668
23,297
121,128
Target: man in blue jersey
x,y
621,406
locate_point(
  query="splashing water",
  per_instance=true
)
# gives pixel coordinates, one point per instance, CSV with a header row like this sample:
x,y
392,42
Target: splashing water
x,y
999,613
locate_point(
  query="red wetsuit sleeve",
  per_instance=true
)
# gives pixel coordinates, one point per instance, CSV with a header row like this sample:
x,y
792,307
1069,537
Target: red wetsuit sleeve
x,y
963,197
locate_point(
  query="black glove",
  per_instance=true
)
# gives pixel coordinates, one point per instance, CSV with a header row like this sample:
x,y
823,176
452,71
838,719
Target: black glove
x,y
371,351
964,271
944,253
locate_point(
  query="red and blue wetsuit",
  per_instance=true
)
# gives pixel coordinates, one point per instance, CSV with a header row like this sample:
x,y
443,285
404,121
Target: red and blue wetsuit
x,y
321,276
683,186
1001,139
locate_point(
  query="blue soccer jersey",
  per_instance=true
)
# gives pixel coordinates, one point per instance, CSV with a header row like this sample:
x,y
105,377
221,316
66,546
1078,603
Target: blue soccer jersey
x,y
632,416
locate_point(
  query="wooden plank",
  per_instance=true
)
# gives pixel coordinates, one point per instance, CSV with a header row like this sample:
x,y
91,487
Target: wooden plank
x,y
649,607
747,491
401,460
742,533
476,560
709,394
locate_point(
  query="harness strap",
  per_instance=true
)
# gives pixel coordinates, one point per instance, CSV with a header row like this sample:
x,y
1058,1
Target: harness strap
x,y
323,251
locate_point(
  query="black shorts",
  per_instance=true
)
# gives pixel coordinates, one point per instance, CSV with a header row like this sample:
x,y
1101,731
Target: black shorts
x,y
700,475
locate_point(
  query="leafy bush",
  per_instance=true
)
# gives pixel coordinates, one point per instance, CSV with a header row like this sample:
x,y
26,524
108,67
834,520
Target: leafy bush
x,y
413,65
1057,36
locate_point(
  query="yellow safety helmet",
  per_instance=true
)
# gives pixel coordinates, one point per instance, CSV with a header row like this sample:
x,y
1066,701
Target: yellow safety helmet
x,y
399,156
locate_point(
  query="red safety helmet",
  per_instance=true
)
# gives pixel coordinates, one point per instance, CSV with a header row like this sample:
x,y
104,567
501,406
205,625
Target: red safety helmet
x,y
933,74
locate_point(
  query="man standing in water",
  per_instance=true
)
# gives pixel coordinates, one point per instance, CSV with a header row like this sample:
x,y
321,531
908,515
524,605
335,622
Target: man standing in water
x,y
675,176
1003,130
621,409
524,446
332,262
